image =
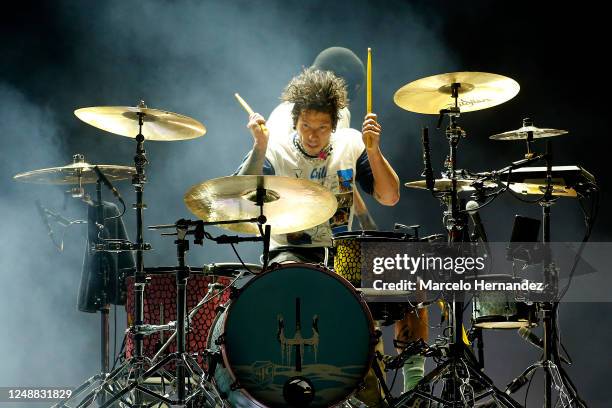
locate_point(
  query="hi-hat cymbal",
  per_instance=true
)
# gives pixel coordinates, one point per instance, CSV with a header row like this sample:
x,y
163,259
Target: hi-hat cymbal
x,y
442,185
476,91
291,204
75,173
523,132
157,124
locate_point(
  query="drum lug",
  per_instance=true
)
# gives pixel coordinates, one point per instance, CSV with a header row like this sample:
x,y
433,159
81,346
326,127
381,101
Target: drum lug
x,y
375,337
220,340
220,309
234,292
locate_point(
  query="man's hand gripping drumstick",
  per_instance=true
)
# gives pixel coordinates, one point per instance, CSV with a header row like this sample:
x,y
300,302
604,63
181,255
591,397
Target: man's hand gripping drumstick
x,y
257,126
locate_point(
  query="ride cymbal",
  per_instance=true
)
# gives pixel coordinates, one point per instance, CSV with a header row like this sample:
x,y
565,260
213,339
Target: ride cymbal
x,y
475,91
290,204
157,124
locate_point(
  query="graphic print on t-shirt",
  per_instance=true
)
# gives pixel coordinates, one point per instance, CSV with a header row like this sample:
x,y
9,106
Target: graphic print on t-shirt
x,y
339,222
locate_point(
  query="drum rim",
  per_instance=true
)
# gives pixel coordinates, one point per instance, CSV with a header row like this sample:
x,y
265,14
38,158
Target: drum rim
x,y
373,235
170,270
276,268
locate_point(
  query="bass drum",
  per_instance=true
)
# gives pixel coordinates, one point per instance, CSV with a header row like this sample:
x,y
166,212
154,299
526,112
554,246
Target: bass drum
x,y
297,335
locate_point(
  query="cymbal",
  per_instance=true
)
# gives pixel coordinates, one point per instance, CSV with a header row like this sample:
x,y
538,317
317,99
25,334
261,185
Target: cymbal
x,y
444,184
566,181
75,173
158,125
291,204
477,90
522,133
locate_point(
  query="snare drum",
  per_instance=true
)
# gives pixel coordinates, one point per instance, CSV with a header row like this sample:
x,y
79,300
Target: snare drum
x,y
349,254
296,335
500,310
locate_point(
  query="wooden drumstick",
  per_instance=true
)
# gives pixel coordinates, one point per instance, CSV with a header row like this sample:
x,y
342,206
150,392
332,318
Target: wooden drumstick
x,y
369,93
248,109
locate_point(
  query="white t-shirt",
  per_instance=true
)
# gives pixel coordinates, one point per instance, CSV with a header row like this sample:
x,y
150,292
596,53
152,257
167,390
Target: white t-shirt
x,y
337,172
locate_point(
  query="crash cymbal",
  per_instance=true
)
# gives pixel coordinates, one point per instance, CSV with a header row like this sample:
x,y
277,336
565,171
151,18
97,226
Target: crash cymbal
x,y
441,185
523,132
158,124
477,90
78,172
291,204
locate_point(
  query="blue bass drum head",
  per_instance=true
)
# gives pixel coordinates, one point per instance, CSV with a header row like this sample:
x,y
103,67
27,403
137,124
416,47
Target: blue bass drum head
x,y
298,327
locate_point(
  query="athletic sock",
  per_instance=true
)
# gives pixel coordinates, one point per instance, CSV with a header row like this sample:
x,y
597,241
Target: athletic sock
x,y
413,371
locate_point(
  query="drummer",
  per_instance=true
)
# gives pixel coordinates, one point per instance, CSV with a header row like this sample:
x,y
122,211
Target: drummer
x,y
345,64
316,151
336,158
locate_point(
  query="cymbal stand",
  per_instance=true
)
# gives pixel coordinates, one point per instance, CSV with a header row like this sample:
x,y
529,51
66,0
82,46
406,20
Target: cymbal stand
x,y
104,304
140,280
554,373
529,140
460,369
135,366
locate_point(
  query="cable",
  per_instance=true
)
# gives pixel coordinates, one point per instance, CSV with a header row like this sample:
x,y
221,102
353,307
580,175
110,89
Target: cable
x,y
494,194
528,387
536,201
117,216
590,222
394,378
121,351
240,259
465,307
115,330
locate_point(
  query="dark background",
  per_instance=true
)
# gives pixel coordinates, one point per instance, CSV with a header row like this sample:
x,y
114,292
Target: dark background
x,y
190,57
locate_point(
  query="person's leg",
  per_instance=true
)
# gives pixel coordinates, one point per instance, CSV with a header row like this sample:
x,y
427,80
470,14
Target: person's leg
x,y
371,394
412,327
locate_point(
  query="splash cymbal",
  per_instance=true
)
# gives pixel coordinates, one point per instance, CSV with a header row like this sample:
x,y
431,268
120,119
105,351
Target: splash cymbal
x,y
523,133
157,124
290,204
476,91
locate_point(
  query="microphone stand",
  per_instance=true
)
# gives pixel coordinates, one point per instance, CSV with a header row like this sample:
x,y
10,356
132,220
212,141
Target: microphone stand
x,y
554,372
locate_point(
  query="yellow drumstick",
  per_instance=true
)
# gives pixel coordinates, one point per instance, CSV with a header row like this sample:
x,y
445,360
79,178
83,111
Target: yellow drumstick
x,y
248,109
369,93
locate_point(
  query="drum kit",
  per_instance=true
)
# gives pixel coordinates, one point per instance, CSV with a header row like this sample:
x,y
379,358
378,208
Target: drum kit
x,y
303,335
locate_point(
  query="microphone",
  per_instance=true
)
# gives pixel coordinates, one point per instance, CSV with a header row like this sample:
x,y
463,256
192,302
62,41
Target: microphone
x,y
43,217
472,208
107,183
63,221
528,336
427,171
534,340
45,220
